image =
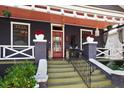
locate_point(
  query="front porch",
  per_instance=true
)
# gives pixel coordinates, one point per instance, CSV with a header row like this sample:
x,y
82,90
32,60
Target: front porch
x,y
64,27
65,30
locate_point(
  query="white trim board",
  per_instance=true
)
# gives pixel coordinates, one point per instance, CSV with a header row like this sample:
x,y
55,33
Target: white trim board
x,y
94,10
84,9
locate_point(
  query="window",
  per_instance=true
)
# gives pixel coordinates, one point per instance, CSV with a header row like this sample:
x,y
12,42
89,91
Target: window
x,y
57,27
20,33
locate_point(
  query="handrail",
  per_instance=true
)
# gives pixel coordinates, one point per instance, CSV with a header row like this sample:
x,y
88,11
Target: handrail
x,y
116,76
81,65
101,66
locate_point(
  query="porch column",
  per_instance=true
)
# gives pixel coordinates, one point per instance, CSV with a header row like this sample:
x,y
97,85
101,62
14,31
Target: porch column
x,y
41,61
90,50
40,50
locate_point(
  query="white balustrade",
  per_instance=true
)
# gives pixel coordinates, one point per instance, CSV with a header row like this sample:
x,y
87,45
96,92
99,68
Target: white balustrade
x,y
8,52
102,53
108,53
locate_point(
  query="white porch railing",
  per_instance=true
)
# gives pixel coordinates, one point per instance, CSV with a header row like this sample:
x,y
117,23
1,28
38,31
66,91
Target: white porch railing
x,y
8,52
116,53
102,53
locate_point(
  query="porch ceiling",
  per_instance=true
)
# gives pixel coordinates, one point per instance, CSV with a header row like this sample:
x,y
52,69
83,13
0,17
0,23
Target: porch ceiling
x,y
19,13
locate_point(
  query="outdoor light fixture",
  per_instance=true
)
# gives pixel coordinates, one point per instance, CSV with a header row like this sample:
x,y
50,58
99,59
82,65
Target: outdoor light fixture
x,y
97,32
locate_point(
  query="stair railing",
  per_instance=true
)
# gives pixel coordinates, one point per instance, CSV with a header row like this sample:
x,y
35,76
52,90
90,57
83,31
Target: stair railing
x,y
81,65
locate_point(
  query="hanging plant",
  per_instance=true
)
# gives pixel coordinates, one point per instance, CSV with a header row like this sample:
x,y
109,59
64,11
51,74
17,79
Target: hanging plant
x,y
109,27
6,13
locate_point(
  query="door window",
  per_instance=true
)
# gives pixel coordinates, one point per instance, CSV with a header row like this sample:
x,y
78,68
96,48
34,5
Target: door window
x,y
57,43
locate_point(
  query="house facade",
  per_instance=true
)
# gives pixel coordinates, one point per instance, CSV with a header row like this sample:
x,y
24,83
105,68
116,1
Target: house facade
x,y
64,27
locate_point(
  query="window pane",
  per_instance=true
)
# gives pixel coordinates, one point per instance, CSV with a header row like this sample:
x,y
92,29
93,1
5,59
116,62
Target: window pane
x,y
20,34
58,28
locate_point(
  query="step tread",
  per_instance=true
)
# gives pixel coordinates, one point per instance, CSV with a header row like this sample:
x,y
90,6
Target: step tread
x,y
100,84
65,80
52,70
58,62
78,85
60,66
98,77
63,74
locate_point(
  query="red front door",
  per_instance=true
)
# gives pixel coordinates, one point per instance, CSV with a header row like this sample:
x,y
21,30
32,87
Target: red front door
x,y
57,46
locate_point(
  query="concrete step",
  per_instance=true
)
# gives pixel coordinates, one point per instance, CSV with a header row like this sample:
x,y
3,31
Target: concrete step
x,y
70,80
78,85
98,77
60,66
68,69
100,84
63,75
57,62
55,70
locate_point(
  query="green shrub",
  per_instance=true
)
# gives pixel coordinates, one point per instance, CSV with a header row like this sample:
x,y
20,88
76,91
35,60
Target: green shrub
x,y
114,67
121,68
19,76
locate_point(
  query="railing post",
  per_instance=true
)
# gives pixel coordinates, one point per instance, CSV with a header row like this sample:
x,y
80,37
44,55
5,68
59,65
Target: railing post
x,y
41,60
0,52
40,50
32,51
90,50
4,52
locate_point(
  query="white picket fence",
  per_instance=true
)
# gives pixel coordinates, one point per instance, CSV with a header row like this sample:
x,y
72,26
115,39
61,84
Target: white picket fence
x,y
8,52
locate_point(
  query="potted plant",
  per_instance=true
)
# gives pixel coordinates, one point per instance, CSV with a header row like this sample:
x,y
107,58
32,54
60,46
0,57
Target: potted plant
x,y
39,35
6,13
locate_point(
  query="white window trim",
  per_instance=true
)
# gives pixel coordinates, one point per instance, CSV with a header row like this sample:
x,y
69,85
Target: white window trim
x,y
52,38
28,24
84,30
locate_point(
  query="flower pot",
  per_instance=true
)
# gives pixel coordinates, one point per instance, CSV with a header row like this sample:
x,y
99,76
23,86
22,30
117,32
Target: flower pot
x,y
39,37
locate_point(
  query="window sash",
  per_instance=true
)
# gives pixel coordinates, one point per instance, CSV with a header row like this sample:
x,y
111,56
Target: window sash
x,y
12,33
